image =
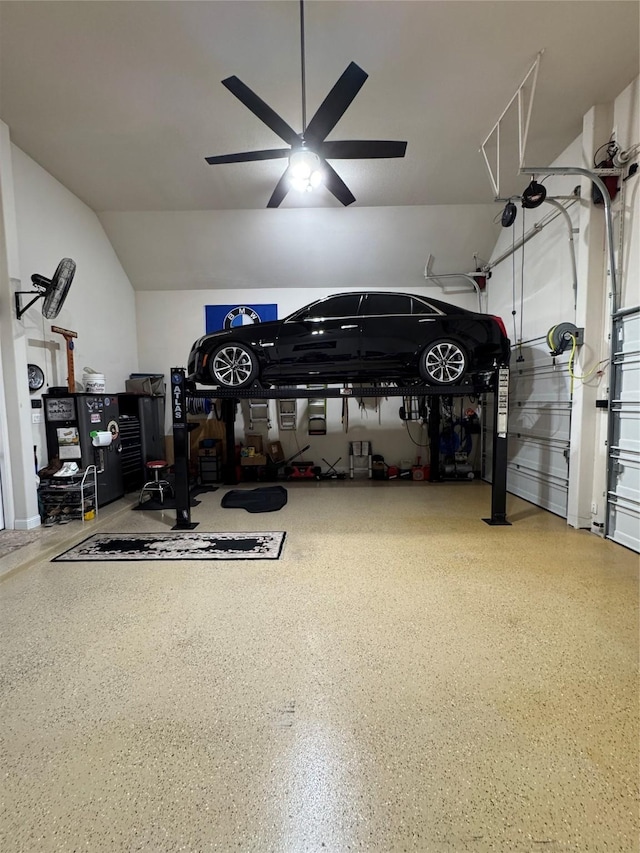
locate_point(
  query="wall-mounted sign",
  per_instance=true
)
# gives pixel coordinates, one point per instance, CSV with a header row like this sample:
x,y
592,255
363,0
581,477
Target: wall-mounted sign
x,y
61,409
68,443
178,401
502,401
219,317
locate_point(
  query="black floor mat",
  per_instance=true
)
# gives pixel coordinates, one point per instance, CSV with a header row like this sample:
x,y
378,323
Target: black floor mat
x,y
265,499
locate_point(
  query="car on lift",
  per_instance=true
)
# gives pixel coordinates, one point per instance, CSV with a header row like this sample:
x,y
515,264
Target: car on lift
x,y
356,337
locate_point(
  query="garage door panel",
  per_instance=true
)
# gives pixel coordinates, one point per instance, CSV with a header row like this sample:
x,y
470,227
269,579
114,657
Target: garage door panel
x,y
623,517
538,454
626,434
539,429
549,421
541,384
627,392
625,476
623,522
546,491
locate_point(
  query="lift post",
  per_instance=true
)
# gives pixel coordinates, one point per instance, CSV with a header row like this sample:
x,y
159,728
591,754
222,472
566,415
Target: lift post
x,y
229,408
181,450
499,479
434,440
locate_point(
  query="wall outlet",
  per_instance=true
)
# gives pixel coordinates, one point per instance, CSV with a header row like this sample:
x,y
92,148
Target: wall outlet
x,y
594,508
36,417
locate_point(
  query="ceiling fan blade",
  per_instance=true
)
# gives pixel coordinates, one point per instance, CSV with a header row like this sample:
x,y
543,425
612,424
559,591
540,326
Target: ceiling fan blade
x,y
248,156
262,110
334,183
334,105
356,149
282,188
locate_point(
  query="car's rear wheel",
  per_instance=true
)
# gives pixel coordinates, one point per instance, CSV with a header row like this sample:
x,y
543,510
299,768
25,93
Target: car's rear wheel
x,y
443,362
233,365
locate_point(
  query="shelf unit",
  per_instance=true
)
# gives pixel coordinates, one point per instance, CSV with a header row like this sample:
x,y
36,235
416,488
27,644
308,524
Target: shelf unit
x,y
70,497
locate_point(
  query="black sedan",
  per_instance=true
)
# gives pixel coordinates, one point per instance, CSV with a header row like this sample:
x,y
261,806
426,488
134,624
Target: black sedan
x,y
355,337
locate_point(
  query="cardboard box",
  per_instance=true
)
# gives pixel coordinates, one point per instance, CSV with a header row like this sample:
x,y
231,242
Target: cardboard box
x,y
256,459
254,439
275,451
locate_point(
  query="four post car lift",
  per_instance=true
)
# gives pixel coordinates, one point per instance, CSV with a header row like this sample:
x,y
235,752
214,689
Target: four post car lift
x,y
180,394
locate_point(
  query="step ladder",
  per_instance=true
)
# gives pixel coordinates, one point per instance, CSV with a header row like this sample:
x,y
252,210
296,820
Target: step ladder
x,y
317,412
259,413
360,458
287,413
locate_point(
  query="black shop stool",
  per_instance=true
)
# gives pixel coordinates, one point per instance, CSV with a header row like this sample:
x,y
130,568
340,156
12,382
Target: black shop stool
x,y
157,485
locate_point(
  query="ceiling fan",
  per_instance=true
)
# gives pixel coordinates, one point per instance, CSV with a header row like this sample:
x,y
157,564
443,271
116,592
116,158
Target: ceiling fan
x,y
309,151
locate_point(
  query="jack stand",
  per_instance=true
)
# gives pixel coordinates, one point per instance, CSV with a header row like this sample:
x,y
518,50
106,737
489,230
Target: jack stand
x,y
68,336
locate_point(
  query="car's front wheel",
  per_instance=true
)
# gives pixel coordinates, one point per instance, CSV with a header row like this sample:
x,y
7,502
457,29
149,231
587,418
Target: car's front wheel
x,y
233,365
443,363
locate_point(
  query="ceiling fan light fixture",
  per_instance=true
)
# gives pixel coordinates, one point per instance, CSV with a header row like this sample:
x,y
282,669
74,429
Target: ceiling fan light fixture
x,y
303,163
305,171
315,178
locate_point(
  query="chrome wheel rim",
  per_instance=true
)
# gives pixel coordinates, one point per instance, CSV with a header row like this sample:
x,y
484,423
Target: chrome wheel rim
x,y
232,366
445,363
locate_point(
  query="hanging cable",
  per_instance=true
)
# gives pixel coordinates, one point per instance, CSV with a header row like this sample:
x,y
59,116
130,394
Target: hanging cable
x,y
303,70
513,284
417,444
520,356
589,373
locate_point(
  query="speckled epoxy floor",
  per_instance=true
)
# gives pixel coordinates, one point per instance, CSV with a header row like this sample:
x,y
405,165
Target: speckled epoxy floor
x,y
405,678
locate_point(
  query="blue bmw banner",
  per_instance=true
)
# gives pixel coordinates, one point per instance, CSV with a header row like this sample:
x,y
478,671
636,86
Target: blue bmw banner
x,y
219,317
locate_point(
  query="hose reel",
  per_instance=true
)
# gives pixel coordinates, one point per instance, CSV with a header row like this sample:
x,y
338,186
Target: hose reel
x,y
563,336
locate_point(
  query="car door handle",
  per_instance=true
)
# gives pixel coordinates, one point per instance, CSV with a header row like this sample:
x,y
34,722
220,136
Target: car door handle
x,y
352,326
427,320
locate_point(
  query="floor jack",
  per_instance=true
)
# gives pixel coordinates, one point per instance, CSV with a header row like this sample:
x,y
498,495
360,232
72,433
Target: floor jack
x,y
300,470
331,473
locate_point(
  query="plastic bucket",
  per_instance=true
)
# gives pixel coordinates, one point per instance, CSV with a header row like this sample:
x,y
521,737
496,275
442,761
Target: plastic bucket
x,y
94,383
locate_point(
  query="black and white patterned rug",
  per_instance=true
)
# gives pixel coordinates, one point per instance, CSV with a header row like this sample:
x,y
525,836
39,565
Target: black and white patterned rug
x,y
179,545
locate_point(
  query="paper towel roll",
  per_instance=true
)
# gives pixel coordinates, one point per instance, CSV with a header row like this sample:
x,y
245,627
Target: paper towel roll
x,y
101,439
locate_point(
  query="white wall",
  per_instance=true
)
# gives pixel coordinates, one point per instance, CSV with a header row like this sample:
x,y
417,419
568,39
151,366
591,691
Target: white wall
x,y
537,282
358,247
52,223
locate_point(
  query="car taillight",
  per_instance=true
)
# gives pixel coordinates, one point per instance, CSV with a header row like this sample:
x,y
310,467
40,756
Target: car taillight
x,y
501,325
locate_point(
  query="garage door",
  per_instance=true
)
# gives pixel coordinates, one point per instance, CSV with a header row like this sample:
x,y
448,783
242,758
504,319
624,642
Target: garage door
x,y
539,429
623,522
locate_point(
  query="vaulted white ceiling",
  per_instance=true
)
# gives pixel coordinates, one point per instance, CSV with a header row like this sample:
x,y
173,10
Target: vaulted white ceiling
x,y
122,101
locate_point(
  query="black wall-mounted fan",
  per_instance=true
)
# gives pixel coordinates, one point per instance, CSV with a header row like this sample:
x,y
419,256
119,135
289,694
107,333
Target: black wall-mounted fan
x,y
53,290
314,135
